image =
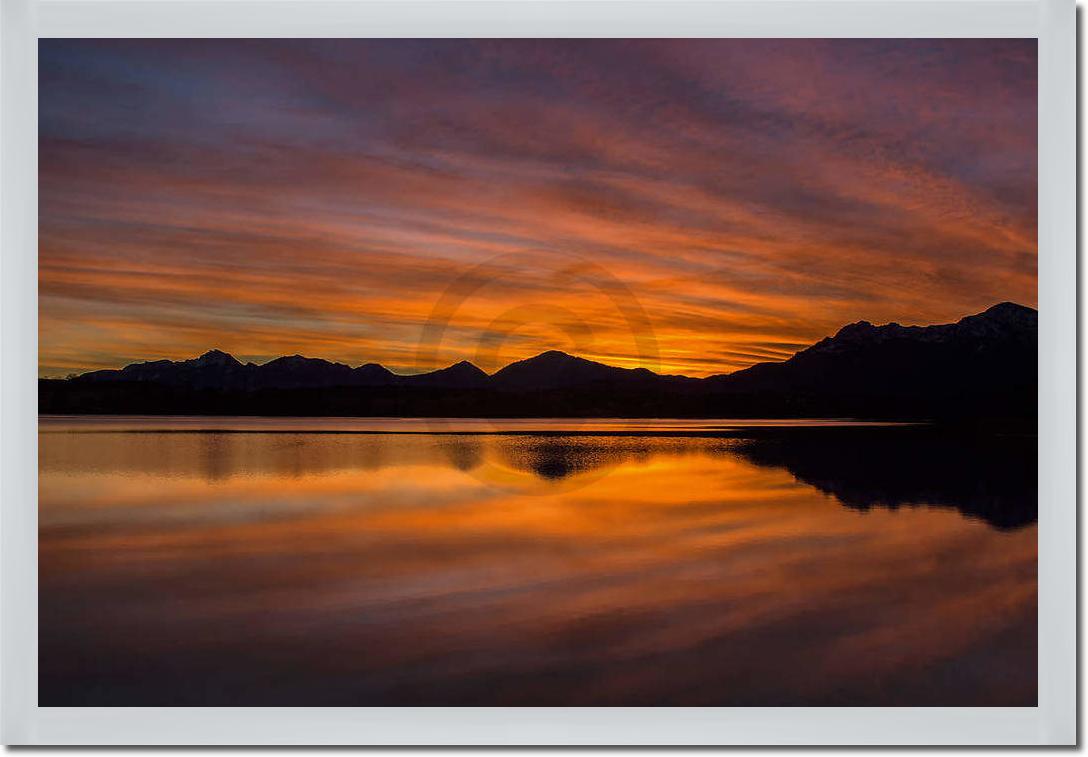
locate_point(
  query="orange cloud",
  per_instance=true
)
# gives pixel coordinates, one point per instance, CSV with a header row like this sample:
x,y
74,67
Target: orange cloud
x,y
752,195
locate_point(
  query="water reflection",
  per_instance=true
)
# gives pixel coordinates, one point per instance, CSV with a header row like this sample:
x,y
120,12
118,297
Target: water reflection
x,y
358,569
991,477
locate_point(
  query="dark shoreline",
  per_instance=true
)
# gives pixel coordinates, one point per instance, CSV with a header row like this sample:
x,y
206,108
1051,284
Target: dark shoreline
x,y
125,398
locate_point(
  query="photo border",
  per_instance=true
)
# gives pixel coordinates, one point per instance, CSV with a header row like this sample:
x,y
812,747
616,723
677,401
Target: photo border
x,y
1052,722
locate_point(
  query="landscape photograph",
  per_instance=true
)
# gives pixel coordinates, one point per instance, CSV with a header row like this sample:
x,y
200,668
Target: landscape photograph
x,y
537,372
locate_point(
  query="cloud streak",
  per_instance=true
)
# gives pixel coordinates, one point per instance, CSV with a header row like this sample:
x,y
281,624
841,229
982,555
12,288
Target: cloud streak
x,y
281,196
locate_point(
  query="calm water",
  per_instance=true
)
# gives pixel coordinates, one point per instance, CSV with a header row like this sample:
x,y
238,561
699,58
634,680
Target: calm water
x,y
201,561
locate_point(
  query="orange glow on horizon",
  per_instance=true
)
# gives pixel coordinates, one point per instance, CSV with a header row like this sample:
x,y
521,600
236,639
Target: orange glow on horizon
x,y
749,196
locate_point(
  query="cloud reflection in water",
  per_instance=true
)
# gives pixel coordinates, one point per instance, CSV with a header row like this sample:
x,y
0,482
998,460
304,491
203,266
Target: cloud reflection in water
x,y
303,569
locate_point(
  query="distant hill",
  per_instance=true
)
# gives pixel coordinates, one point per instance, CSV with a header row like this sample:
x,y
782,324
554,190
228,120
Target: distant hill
x,y
558,370
984,365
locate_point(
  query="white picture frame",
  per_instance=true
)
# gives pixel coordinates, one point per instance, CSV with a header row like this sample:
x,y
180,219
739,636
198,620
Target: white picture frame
x,y
1052,722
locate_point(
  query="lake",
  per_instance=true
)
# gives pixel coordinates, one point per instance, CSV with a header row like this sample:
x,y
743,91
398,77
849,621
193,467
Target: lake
x,y
331,561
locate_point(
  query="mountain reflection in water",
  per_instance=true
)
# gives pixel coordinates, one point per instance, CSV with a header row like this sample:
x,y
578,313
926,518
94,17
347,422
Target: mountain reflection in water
x,y
990,477
709,565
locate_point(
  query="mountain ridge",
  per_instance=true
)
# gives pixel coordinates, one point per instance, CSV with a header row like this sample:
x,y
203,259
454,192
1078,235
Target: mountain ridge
x,y
1001,313
986,359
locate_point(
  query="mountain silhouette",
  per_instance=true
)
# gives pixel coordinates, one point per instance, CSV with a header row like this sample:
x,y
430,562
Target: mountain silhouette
x,y
463,375
984,365
218,370
372,374
212,370
557,370
296,371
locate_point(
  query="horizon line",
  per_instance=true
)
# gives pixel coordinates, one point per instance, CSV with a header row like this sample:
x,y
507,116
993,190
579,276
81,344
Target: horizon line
x,y
215,350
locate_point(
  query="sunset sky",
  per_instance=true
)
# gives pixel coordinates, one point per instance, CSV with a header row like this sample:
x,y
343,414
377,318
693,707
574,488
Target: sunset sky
x,y
693,206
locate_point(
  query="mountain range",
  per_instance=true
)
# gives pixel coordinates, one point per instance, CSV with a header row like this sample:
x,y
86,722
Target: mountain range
x,y
982,365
